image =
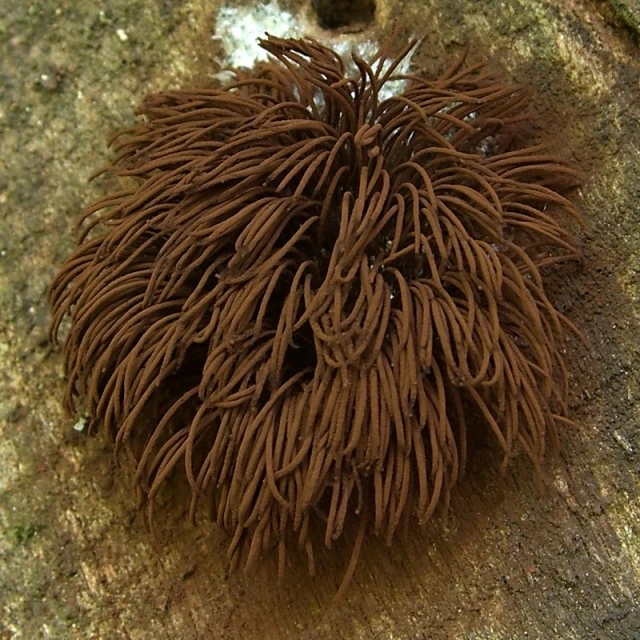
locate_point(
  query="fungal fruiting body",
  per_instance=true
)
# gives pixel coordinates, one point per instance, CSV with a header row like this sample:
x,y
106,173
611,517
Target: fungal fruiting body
x,y
307,297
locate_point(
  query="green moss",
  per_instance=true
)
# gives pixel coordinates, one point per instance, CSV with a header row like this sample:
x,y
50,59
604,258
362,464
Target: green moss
x,y
629,12
22,534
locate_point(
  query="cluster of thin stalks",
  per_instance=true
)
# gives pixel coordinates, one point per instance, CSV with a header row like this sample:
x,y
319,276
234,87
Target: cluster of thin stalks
x,y
307,297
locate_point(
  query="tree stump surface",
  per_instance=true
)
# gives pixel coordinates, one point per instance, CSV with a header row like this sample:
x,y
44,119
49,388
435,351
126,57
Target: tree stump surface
x,y
510,559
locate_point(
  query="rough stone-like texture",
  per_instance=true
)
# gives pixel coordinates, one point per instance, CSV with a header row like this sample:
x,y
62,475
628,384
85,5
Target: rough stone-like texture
x,y
508,561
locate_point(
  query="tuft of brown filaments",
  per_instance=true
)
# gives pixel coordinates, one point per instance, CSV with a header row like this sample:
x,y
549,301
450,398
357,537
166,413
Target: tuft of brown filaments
x,y
306,297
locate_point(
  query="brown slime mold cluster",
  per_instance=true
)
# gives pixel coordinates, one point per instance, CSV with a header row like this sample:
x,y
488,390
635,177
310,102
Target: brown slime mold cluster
x,y
307,297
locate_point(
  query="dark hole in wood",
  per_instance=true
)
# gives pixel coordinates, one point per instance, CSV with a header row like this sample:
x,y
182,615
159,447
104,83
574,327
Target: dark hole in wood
x,y
335,14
